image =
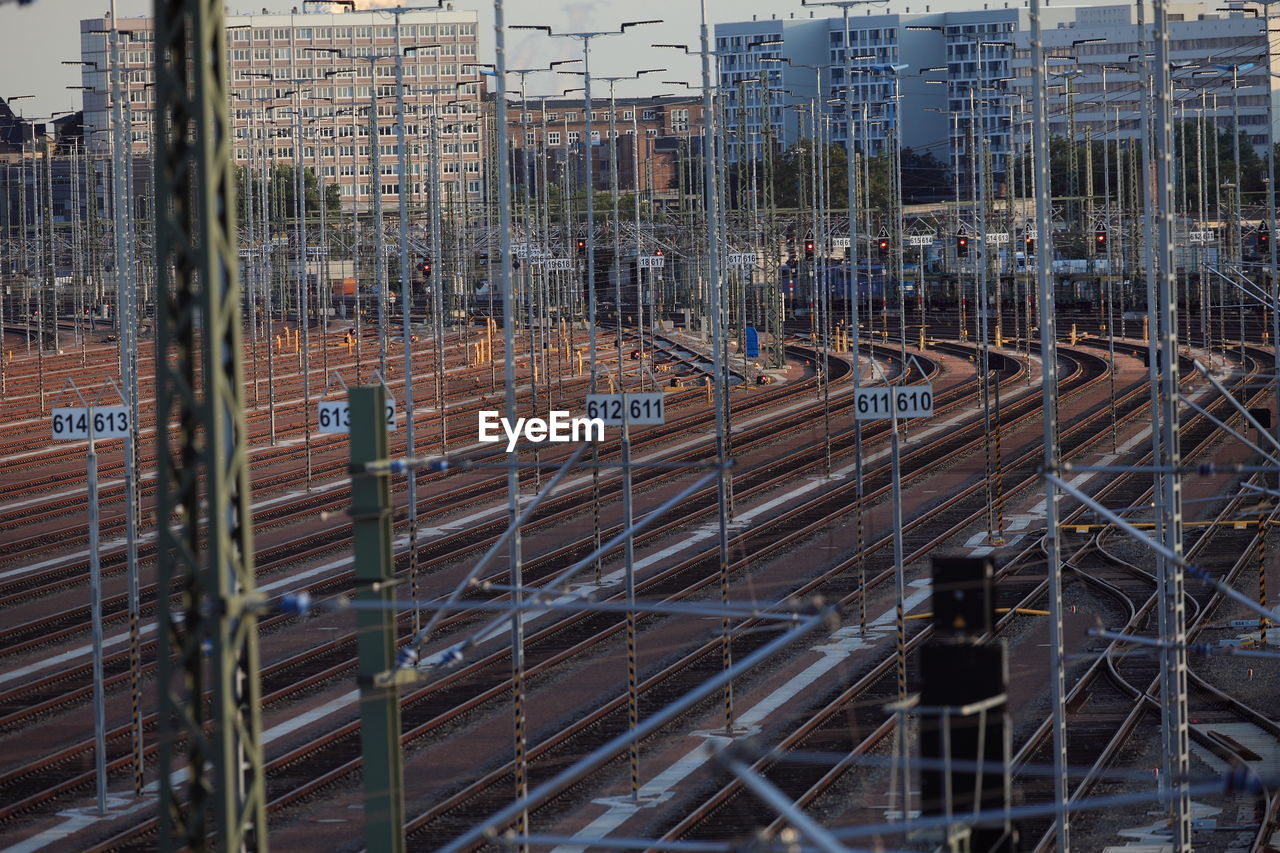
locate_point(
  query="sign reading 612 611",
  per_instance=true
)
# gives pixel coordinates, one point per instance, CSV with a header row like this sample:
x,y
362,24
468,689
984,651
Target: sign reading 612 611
x,y
903,401
70,424
640,409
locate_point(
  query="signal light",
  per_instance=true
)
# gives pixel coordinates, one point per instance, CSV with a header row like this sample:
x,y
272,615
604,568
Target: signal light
x,y
1100,238
1264,237
582,246
1031,245
658,253
809,247
883,246
962,246
425,268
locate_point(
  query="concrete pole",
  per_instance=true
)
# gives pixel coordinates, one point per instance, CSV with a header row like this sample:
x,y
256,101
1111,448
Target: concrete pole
x,y
406,296
717,346
1049,362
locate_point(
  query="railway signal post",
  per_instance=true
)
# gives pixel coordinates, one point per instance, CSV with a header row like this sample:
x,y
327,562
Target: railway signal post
x,y
894,402
375,574
91,422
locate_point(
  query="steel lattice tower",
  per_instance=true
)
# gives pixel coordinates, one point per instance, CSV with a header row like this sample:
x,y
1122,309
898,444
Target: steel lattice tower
x,y
201,450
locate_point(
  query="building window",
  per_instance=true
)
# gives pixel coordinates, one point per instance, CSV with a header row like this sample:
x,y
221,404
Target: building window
x,y
628,115
553,138
574,136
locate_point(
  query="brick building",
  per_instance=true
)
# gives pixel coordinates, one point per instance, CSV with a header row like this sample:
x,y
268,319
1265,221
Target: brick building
x,y
654,137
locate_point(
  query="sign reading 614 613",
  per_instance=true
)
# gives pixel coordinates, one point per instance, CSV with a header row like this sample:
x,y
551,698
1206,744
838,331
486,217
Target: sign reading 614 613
x,y
70,424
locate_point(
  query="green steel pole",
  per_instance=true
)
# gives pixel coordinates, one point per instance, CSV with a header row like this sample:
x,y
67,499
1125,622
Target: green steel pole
x,y
375,571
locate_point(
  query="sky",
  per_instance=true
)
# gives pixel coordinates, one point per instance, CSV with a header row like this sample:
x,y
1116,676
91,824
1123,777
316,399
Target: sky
x,y
36,38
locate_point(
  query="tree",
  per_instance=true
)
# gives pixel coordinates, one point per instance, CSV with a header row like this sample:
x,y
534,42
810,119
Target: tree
x,y
280,193
924,177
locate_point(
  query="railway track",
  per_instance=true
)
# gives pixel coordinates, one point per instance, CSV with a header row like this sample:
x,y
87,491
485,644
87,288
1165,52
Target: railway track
x,y
853,725
50,693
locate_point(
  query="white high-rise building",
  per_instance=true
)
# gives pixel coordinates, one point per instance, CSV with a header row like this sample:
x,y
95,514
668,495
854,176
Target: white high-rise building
x,y
967,76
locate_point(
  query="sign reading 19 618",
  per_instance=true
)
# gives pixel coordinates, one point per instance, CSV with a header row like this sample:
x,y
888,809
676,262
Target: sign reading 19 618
x,y
640,409
905,401
74,423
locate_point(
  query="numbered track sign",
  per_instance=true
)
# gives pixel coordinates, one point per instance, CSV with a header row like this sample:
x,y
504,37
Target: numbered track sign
x,y
335,415
642,409
909,401
872,404
107,421
913,401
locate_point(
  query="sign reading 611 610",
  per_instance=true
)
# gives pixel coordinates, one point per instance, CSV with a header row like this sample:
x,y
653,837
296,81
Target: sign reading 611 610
x,y
76,423
903,401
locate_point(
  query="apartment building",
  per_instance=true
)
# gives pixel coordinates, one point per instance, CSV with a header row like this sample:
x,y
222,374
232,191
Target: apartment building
x,y
1220,70
326,79
963,79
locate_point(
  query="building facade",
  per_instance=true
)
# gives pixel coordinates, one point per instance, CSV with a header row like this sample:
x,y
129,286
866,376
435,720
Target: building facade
x,y
653,138
320,83
1220,71
962,79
